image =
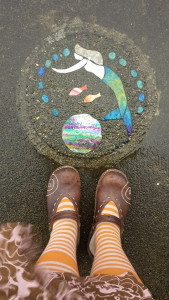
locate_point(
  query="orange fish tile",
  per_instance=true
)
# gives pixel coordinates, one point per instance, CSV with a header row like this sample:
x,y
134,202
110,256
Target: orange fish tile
x,y
91,98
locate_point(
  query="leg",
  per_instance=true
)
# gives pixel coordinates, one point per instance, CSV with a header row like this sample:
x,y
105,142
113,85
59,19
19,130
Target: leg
x,y
60,253
109,257
112,202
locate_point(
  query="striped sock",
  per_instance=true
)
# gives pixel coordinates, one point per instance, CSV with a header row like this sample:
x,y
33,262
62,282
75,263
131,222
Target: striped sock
x,y
60,252
109,257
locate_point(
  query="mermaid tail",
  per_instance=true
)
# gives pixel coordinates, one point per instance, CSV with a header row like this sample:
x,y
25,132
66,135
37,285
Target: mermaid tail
x,y
114,82
115,114
128,120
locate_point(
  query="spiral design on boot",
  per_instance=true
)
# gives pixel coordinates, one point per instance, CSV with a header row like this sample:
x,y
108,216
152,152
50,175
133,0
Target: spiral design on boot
x,y
126,193
53,185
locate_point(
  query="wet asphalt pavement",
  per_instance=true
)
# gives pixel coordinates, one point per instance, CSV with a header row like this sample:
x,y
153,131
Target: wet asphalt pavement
x,y
25,173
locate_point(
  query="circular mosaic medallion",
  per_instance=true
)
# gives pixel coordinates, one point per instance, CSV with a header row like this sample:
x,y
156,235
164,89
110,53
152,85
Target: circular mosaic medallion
x,y
81,133
86,71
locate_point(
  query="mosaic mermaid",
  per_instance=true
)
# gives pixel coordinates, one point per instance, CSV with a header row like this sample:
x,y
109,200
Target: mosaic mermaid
x,y
92,61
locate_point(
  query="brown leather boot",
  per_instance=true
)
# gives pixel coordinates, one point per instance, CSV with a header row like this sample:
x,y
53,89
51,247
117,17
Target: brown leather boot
x,y
64,182
113,186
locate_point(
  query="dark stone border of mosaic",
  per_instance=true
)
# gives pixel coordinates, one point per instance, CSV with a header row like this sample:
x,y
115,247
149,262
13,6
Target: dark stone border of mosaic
x,y
75,26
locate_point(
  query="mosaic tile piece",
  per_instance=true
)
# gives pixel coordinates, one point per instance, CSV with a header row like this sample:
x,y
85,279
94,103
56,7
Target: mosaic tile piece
x,y
92,55
55,56
41,71
76,91
55,112
45,98
66,52
112,55
75,67
140,84
48,63
141,97
41,85
113,115
114,82
133,73
140,110
81,133
122,62
91,98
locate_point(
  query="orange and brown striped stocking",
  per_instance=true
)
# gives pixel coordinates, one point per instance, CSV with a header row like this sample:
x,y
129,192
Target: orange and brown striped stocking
x,y
60,252
109,257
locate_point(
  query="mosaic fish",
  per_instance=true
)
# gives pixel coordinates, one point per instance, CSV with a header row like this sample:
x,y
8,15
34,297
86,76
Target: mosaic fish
x,y
76,91
91,98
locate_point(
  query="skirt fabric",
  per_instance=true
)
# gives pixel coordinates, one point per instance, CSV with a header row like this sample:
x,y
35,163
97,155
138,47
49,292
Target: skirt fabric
x,y
21,279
